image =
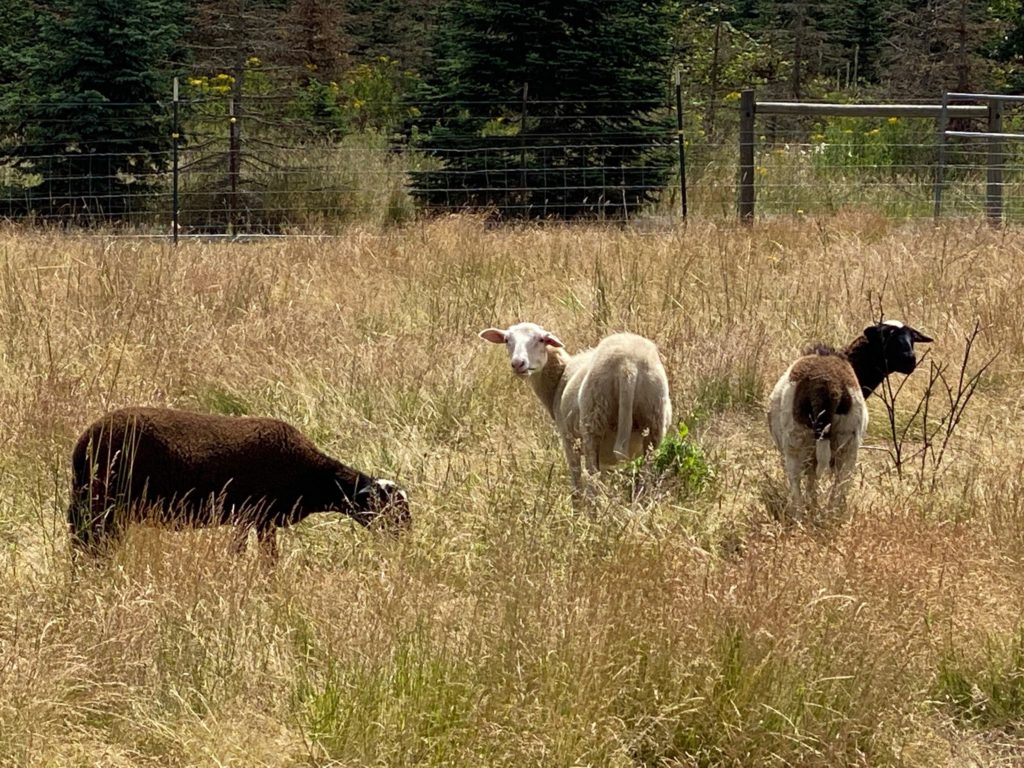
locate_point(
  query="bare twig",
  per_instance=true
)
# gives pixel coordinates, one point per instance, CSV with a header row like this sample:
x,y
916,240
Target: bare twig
x,y
938,412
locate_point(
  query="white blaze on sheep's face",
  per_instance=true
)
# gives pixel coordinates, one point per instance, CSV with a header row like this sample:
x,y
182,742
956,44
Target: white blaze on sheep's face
x,y
389,489
527,345
386,503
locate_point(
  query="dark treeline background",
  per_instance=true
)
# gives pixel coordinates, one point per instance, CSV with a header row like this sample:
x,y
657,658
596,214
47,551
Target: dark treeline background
x,y
84,84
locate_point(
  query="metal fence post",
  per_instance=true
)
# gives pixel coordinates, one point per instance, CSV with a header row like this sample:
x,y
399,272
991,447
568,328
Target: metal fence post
x,y
234,165
175,136
679,138
746,176
994,181
940,155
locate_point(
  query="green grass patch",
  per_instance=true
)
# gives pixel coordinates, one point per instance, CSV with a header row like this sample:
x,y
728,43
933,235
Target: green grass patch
x,y
985,690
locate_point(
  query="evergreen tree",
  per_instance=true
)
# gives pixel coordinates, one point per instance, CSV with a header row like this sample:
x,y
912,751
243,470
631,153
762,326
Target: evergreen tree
x,y
397,29
84,120
19,34
938,45
1008,49
862,34
548,108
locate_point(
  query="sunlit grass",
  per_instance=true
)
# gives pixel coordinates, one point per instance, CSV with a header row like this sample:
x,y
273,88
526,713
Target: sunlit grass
x,y
508,628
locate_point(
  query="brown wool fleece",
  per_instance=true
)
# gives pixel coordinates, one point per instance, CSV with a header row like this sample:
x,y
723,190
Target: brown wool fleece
x,y
193,469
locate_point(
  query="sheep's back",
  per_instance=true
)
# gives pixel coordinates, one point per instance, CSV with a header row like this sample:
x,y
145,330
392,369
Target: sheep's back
x,y
594,377
169,453
815,391
824,387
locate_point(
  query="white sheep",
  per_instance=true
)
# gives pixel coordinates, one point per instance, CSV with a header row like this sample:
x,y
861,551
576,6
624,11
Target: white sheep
x,y
816,413
609,403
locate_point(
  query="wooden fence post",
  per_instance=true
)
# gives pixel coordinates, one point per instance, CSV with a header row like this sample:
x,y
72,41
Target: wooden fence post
x,y
682,143
746,179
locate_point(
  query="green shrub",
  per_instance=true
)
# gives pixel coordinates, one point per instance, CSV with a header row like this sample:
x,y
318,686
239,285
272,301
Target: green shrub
x,y
678,463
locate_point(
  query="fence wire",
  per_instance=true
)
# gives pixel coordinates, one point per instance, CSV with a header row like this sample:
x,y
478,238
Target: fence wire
x,y
260,167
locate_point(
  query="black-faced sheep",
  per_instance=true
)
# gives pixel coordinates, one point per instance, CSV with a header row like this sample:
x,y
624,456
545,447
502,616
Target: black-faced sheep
x,y
609,403
188,469
817,413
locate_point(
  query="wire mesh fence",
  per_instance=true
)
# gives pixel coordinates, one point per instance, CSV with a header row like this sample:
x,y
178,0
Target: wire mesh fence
x,y
262,165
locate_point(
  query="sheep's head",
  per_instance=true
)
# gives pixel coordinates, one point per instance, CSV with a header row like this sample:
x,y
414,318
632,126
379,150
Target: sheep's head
x,y
892,343
384,503
527,345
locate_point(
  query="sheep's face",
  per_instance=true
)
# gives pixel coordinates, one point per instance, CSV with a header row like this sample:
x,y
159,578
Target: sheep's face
x,y
384,503
894,343
527,345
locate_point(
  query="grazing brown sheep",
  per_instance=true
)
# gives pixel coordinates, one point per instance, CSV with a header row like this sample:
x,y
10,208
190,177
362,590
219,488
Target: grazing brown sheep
x,y
194,470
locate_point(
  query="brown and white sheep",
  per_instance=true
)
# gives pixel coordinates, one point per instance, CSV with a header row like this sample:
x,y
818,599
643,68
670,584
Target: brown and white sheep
x,y
188,469
817,414
609,403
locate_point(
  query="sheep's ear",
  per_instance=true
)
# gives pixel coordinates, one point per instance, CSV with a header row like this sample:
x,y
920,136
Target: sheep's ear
x,y
873,332
494,335
919,338
553,341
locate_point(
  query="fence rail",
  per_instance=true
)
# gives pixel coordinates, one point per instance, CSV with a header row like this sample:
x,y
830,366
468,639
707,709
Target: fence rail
x,y
211,167
991,110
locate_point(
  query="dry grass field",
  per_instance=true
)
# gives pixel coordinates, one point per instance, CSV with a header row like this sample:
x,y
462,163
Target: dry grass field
x,y
686,628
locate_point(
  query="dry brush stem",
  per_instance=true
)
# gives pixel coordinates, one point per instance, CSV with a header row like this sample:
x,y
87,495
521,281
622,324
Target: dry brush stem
x,y
937,413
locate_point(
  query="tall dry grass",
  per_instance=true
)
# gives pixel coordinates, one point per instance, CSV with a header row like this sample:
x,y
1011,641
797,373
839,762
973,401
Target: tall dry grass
x,y
506,629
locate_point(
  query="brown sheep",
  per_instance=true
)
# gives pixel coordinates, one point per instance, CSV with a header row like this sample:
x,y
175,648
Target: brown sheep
x,y
816,413
189,469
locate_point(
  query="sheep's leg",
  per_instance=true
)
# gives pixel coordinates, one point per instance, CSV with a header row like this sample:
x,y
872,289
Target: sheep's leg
x,y
591,454
794,474
81,526
91,519
810,475
85,539
572,459
267,536
845,463
651,439
100,527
